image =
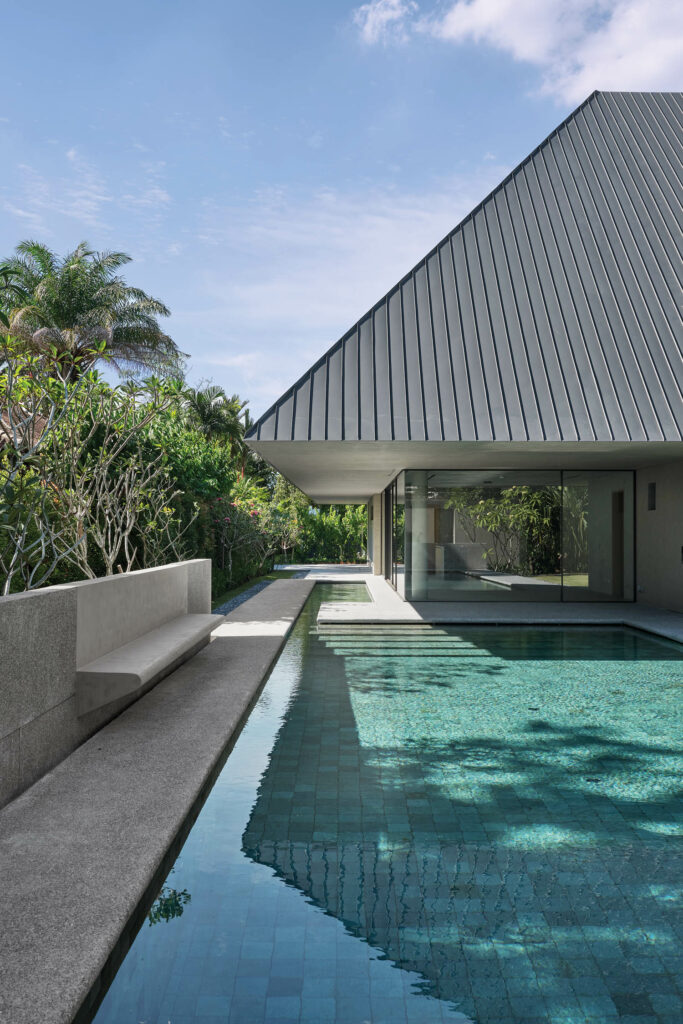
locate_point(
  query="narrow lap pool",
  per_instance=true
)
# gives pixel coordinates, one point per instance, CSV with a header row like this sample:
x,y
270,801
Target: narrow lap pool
x,y
432,824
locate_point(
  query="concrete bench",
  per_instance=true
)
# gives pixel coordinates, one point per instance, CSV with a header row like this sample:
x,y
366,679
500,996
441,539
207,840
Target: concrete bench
x,y
136,666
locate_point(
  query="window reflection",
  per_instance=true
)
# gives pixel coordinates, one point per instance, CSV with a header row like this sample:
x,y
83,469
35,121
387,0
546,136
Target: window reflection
x,y
479,535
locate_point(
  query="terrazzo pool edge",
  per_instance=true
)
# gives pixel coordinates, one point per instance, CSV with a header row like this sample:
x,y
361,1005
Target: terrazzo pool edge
x,y
73,875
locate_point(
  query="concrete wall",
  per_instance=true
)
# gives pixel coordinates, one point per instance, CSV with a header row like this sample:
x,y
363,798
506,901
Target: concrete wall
x,y
45,635
659,537
601,569
376,534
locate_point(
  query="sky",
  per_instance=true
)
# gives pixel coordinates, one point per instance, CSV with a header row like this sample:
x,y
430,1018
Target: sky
x,y
274,167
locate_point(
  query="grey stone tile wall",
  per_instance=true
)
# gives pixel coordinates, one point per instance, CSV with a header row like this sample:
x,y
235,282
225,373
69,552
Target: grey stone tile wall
x,y
45,635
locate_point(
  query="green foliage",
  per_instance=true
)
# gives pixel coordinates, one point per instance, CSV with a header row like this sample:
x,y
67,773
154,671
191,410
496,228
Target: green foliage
x,y
337,533
169,903
97,479
522,525
200,465
213,414
80,306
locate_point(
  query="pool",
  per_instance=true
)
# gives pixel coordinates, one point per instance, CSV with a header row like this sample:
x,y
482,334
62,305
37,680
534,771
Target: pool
x,y
432,824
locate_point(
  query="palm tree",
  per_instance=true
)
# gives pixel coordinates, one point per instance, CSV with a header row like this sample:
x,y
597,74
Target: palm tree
x,y
248,461
77,307
215,415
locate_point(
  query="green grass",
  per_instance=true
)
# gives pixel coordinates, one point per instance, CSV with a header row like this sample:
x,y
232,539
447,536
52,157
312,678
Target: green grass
x,y
227,595
575,579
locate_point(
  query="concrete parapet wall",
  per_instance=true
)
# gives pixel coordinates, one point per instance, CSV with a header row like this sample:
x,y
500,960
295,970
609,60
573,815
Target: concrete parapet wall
x,y
46,635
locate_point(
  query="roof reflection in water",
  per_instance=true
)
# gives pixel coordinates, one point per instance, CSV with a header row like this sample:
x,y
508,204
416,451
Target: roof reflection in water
x,y
489,807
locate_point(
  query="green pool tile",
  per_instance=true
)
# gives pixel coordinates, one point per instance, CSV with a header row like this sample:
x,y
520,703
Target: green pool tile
x,y
434,825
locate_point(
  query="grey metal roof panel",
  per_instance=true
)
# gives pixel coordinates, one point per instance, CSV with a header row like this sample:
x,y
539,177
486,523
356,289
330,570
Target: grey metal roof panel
x,y
551,313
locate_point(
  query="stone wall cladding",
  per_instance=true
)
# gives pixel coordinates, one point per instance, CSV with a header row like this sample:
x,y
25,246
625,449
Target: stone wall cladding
x,y
659,537
45,635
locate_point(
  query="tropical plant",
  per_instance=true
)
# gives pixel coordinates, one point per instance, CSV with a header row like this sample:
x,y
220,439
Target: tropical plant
x,y
34,403
337,533
111,490
520,525
79,307
170,903
293,508
245,536
213,414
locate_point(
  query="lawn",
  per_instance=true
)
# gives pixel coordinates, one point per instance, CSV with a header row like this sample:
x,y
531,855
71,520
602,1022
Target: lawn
x,y
574,579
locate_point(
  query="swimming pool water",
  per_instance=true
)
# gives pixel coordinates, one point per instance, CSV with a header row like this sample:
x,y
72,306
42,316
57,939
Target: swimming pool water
x,y
432,824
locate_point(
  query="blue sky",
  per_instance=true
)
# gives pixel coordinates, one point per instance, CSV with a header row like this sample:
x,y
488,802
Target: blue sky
x,y
273,167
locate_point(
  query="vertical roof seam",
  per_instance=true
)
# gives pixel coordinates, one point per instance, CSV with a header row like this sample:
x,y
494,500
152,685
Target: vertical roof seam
x,y
461,324
551,331
534,320
487,305
436,362
390,374
409,425
449,350
563,263
373,343
342,399
635,249
477,342
425,426
513,361
608,281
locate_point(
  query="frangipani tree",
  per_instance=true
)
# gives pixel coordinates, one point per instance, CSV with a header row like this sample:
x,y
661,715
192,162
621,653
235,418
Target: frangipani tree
x,y
81,479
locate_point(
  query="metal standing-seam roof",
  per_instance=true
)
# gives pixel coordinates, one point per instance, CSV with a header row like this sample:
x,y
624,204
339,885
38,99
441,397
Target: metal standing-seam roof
x,y
551,313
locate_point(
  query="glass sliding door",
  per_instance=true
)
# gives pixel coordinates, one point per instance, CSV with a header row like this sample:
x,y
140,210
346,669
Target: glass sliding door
x,y
398,534
514,535
394,504
483,535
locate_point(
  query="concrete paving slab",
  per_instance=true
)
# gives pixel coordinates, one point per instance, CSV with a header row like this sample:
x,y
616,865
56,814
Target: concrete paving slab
x,y
80,847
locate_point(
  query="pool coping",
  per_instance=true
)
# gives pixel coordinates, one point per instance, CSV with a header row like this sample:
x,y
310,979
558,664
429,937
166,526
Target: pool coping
x,y
80,848
387,608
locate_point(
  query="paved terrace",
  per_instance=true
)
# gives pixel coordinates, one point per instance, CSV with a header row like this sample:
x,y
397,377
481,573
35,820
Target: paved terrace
x,y
79,849
387,607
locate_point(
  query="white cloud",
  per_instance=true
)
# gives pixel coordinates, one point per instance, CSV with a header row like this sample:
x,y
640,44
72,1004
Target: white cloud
x,y
79,195
289,274
384,20
151,198
577,46
85,193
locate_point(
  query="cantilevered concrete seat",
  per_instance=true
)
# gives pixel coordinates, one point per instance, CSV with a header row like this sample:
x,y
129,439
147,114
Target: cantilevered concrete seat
x,y
139,664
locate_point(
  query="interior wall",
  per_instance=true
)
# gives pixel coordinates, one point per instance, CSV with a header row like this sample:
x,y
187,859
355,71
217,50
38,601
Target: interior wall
x,y
659,537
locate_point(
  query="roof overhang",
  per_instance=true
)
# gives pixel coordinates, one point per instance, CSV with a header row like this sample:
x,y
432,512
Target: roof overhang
x,y
331,472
